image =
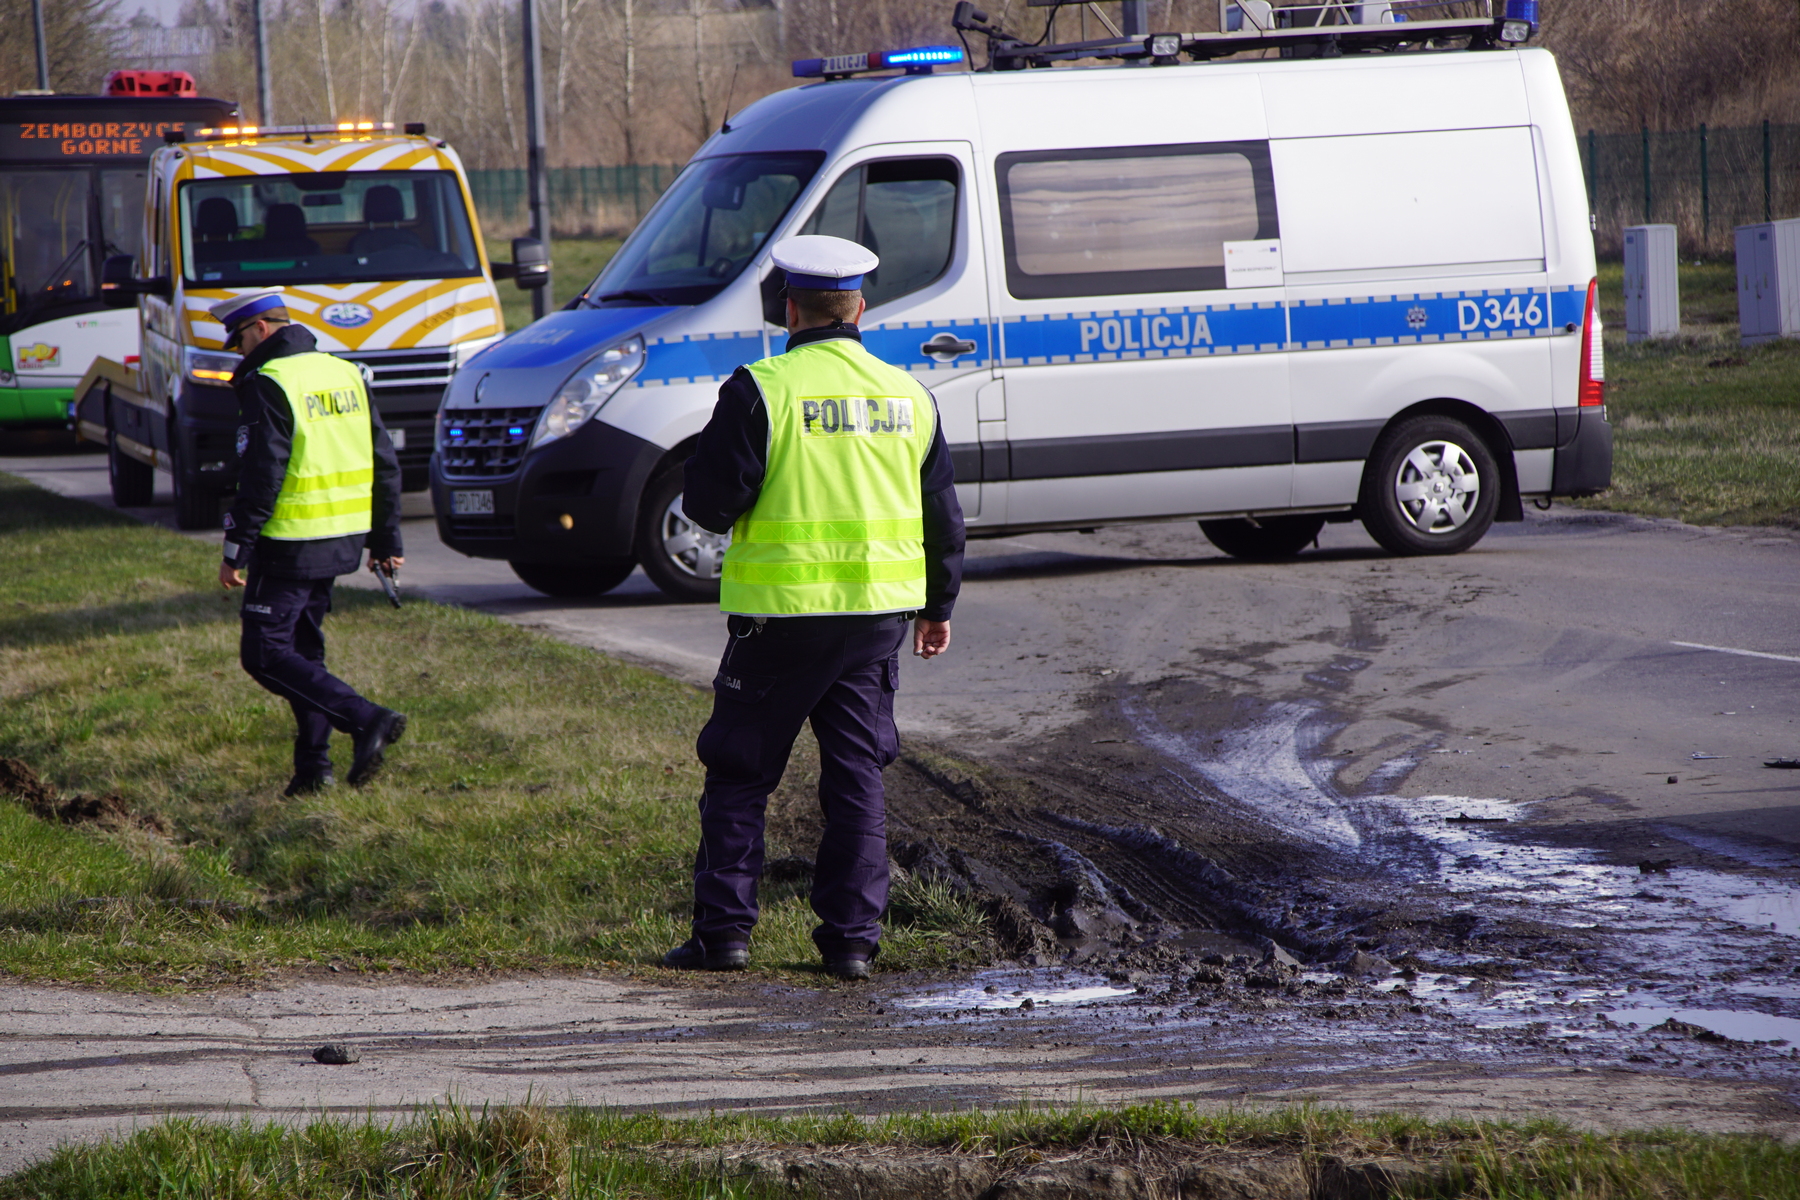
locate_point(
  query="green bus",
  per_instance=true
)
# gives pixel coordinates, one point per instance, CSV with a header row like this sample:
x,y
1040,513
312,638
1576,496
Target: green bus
x,y
72,172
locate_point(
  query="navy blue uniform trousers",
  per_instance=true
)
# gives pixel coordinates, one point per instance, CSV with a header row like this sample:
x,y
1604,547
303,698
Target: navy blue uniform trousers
x,y
840,673
283,648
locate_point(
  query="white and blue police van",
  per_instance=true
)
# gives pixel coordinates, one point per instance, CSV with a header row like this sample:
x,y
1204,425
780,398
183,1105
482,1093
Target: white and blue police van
x,y
1352,279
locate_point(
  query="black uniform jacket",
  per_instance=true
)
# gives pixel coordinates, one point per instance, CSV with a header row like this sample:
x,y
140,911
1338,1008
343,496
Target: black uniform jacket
x,y
267,441
726,473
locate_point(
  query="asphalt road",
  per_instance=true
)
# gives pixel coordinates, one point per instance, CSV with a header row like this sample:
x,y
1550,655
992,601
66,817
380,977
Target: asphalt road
x,y
1579,659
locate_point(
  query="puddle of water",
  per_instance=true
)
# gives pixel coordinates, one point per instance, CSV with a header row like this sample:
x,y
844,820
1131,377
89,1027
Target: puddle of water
x,y
1675,944
1011,989
1738,1026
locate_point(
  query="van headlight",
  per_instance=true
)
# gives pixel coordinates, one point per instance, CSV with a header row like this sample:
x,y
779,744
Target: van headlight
x,y
588,389
209,366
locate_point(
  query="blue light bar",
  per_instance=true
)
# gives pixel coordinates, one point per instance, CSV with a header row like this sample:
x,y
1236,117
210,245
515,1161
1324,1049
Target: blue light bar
x,y
918,60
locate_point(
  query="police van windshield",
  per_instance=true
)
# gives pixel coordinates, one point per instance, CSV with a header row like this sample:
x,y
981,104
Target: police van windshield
x,y
326,227
705,230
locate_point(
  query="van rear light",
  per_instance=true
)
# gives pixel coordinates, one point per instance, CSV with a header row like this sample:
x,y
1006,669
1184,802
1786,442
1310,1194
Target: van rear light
x,y
1593,352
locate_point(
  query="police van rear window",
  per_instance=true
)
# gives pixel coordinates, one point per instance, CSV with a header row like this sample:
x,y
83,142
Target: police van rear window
x,y
1126,219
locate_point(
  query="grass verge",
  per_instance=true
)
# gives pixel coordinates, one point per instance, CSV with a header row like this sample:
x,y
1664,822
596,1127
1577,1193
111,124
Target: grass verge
x,y
540,813
1706,431
449,1153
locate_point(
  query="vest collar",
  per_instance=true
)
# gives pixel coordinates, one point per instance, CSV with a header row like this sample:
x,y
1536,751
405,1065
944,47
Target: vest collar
x,y
289,339
824,333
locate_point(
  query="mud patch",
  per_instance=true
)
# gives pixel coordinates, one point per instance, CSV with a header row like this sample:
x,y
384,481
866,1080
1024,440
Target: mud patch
x,y
43,801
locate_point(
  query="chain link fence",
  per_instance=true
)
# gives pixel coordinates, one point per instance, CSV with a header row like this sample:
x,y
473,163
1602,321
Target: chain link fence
x,y
1705,182
583,200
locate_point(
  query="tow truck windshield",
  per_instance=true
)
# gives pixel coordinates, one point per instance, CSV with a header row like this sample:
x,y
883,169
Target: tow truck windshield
x,y
705,230
325,227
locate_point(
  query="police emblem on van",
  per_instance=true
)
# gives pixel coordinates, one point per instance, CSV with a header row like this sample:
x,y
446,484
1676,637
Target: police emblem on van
x,y
347,315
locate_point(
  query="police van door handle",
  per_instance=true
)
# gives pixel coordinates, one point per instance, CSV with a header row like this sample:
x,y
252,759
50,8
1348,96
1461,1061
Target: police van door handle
x,y
946,346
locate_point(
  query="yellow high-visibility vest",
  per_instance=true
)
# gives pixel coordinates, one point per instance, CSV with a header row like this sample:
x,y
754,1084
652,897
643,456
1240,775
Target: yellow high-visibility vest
x,y
330,482
839,524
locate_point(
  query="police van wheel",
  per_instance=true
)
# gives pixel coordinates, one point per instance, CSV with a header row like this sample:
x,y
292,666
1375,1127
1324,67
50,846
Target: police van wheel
x,y
1431,487
679,557
133,482
196,505
574,580
1269,539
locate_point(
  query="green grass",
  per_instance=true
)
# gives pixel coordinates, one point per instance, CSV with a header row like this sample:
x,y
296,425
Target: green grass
x,y
1706,431
539,814
449,1153
573,264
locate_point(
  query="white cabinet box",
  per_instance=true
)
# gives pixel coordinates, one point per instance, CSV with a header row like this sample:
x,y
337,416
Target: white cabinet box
x,y
1652,296
1768,269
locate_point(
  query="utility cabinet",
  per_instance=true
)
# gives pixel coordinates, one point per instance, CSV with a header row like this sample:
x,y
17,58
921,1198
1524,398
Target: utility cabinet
x,y
1652,292
1768,275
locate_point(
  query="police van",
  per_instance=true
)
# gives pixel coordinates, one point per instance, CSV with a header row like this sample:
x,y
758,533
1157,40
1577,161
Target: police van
x,y
1350,279
372,234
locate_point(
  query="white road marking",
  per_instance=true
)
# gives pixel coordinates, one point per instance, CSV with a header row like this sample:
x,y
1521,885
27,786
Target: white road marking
x,y
1733,650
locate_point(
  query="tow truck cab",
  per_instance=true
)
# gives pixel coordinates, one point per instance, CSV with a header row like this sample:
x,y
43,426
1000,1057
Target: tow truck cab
x,y
373,236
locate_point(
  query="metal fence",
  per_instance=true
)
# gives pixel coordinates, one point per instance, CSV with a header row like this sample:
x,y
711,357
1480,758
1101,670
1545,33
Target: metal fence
x,y
583,200
1705,182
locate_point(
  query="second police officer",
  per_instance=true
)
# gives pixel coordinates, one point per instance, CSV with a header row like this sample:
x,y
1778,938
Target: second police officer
x,y
830,470
319,479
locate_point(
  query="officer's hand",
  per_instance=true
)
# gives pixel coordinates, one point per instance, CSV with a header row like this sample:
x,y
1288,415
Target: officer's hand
x,y
930,638
391,564
230,577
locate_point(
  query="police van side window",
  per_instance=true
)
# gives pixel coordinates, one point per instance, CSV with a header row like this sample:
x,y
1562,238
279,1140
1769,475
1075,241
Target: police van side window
x,y
1126,219
902,209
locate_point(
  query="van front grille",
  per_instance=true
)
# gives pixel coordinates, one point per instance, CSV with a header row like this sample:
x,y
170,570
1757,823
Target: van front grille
x,y
405,368
484,443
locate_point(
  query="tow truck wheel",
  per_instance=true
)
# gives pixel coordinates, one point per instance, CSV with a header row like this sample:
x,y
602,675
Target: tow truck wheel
x,y
133,482
679,557
1267,540
196,505
1431,487
574,581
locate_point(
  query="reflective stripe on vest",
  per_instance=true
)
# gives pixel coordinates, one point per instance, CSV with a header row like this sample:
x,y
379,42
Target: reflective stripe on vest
x,y
330,482
838,526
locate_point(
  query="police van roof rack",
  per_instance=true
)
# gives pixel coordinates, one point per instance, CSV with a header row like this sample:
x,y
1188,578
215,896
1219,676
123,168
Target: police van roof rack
x,y
1309,29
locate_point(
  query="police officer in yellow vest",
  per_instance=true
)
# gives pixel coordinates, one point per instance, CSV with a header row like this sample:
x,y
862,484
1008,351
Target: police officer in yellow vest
x,y
318,480
830,470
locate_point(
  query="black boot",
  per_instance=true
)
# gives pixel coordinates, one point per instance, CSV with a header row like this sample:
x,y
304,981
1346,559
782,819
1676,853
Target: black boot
x,y
308,784
692,956
372,742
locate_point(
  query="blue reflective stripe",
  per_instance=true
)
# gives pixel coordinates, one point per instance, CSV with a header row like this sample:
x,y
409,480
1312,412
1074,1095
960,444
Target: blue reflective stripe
x,y
1112,335
1142,333
898,345
698,359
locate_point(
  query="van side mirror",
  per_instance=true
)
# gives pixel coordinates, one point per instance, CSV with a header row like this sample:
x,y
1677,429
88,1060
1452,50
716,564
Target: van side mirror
x,y
120,287
774,298
530,267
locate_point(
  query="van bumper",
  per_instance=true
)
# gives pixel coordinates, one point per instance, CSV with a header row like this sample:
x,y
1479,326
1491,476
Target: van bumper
x,y
593,477
1584,463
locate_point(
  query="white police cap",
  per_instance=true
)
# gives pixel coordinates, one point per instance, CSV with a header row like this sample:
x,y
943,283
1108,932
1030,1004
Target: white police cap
x,y
830,264
235,312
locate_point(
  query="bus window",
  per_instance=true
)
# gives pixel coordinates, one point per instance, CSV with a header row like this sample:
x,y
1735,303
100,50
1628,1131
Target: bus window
x,y
122,211
43,238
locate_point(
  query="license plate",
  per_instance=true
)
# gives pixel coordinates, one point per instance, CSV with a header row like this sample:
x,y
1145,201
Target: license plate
x,y
472,504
